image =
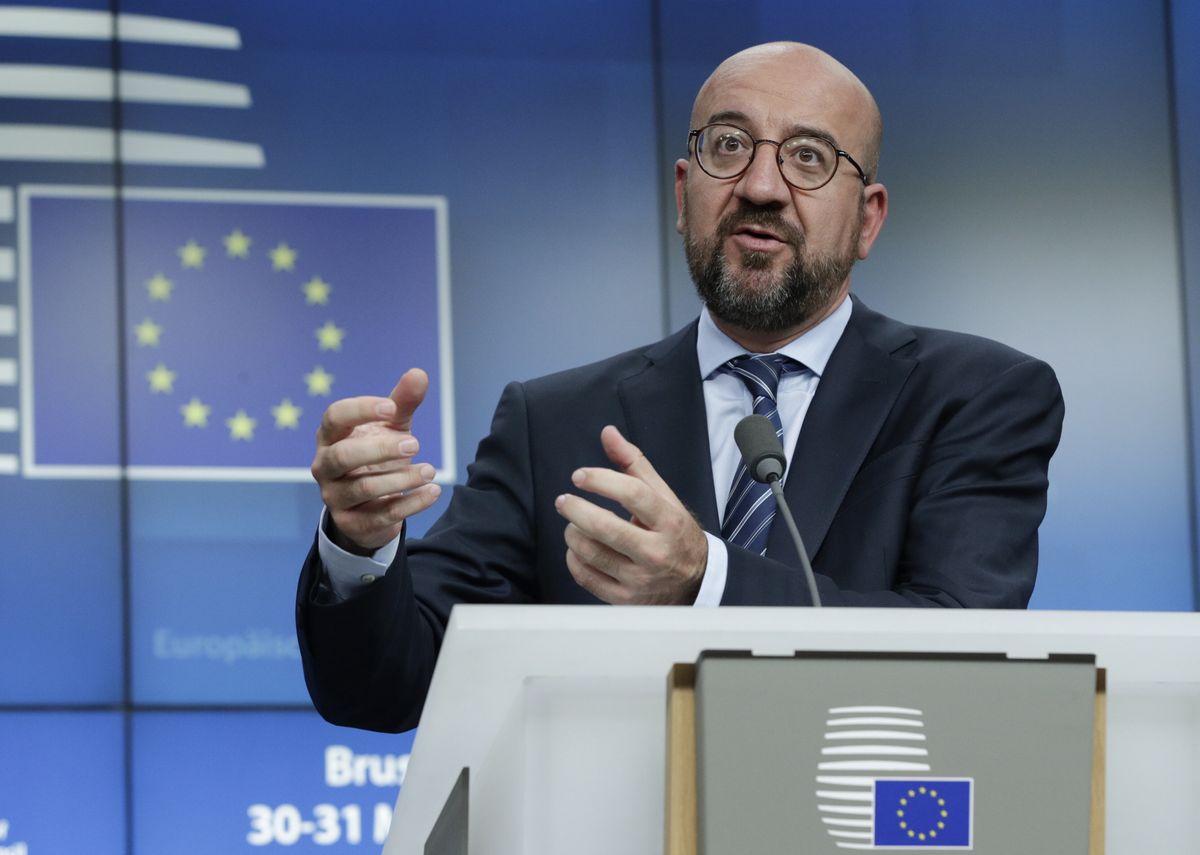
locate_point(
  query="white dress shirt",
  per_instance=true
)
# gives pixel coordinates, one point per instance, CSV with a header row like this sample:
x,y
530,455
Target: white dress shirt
x,y
726,401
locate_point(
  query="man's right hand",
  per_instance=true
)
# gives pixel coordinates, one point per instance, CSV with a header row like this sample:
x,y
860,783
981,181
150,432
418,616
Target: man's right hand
x,y
364,466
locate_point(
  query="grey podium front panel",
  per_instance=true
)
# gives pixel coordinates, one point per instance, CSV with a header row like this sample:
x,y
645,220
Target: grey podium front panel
x,y
829,753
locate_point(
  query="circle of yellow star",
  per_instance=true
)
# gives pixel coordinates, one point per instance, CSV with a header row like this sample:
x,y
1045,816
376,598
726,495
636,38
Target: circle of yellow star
x,y
241,426
148,333
329,337
159,287
237,244
287,414
162,379
320,382
195,413
191,254
283,257
316,291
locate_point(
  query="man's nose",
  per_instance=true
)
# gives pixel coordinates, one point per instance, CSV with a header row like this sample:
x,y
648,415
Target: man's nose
x,y
762,183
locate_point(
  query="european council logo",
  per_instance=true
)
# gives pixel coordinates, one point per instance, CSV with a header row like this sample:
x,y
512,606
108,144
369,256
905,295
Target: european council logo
x,y
874,791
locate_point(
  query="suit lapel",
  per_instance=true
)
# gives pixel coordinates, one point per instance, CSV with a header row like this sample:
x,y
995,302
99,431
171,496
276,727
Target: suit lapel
x,y
857,391
664,408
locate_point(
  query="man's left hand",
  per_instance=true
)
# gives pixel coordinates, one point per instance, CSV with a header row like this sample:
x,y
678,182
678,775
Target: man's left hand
x,y
656,557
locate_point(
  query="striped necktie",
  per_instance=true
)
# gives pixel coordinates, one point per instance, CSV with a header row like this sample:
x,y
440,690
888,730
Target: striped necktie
x,y
751,506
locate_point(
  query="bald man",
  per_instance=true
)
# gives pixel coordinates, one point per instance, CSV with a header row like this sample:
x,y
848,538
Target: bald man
x,y
918,458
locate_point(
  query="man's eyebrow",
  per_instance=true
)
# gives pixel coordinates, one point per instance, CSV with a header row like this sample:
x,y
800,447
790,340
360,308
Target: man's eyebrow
x,y
798,130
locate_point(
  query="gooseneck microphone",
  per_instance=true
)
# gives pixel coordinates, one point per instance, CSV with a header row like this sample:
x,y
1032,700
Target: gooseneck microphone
x,y
763,455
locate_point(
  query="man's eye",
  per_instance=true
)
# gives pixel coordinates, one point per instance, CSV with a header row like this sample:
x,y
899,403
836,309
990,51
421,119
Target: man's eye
x,y
808,156
729,144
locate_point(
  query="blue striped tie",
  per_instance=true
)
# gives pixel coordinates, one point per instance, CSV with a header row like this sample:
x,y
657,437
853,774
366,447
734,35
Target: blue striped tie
x,y
751,507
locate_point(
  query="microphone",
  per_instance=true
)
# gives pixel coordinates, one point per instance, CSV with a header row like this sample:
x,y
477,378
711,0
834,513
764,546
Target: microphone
x,y
765,461
761,452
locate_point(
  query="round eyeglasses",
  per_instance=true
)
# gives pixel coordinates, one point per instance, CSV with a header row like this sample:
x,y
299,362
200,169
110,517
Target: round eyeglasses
x,y
806,162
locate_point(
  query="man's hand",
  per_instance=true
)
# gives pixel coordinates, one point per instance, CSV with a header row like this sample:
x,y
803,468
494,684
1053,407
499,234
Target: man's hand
x,y
658,556
364,465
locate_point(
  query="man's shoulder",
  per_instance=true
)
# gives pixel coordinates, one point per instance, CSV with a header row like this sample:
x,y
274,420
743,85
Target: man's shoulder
x,y
937,348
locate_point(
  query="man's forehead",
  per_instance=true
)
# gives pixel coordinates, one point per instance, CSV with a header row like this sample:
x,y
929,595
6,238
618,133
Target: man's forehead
x,y
773,104
784,92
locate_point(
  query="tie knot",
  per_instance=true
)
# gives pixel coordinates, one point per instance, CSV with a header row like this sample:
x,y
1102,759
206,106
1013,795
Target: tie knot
x,y
761,371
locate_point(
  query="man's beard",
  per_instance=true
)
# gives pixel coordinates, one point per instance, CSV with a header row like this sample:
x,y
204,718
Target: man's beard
x,y
753,298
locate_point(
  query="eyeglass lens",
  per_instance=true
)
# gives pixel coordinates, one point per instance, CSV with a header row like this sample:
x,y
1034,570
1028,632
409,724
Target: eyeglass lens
x,y
725,151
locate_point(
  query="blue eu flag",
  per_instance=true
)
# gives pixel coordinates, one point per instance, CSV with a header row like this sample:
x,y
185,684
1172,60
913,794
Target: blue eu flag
x,y
245,315
923,812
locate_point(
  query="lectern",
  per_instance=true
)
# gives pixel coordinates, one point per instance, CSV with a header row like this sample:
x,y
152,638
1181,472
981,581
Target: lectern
x,y
559,713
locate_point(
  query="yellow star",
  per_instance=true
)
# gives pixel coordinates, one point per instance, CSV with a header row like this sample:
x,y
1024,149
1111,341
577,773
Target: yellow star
x,y
159,287
162,379
148,333
195,413
287,414
237,245
319,381
191,254
283,257
329,337
241,426
316,291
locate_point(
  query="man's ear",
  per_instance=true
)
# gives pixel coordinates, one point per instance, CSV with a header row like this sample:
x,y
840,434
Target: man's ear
x,y
875,209
681,170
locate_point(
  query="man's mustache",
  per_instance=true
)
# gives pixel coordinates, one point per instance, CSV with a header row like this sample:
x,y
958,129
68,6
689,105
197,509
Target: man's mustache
x,y
764,218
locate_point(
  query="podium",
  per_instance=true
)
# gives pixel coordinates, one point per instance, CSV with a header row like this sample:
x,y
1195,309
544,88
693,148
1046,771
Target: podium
x,y
560,713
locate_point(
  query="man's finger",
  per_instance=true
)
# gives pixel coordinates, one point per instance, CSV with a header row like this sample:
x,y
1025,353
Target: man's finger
x,y
343,416
629,458
642,500
379,451
602,525
407,396
598,554
372,525
348,493
596,582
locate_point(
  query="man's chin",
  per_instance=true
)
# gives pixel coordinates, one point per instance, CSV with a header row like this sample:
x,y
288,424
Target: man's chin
x,y
773,262
758,283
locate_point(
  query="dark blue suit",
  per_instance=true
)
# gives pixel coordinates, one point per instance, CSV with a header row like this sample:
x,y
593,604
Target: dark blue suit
x,y
919,479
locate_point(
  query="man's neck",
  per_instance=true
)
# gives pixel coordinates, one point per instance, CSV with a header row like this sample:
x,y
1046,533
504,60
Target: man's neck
x,y
756,341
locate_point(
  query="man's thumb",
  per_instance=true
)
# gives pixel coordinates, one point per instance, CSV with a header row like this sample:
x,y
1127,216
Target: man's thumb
x,y
408,395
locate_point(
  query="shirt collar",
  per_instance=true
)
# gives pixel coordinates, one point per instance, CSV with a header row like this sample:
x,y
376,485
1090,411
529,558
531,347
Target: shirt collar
x,y
813,349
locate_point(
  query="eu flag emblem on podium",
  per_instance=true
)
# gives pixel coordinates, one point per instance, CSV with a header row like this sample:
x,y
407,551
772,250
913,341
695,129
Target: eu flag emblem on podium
x,y
923,813
238,317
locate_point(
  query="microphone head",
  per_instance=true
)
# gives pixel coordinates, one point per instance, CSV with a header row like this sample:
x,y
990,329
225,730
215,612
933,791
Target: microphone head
x,y
760,447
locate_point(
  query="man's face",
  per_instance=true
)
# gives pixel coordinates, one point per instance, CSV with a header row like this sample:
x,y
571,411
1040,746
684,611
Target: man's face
x,y
765,256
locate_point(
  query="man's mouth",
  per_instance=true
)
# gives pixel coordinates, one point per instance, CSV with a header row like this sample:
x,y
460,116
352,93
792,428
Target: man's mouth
x,y
757,239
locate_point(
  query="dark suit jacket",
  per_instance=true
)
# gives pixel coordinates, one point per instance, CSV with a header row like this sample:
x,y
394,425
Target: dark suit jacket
x,y
919,479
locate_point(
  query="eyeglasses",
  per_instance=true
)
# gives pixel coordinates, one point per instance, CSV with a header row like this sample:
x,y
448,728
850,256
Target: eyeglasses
x,y
806,162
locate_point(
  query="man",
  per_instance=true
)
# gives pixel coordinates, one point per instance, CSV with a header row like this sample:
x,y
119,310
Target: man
x,y
919,477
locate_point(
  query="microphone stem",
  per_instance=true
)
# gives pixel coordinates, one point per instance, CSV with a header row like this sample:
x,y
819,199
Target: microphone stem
x,y
781,506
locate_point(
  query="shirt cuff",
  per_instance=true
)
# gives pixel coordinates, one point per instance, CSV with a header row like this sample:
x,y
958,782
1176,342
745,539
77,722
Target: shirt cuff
x,y
712,586
348,573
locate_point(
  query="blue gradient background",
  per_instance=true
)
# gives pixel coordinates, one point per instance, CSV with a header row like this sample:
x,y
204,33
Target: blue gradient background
x,y
1031,152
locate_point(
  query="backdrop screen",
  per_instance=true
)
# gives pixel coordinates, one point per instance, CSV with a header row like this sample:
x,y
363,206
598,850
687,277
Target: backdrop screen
x,y
232,213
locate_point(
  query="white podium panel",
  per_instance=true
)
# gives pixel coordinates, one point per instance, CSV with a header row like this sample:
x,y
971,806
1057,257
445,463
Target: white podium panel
x,y
560,713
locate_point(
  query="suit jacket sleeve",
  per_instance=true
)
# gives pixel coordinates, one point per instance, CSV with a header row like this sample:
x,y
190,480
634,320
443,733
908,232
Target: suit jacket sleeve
x,y
368,661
